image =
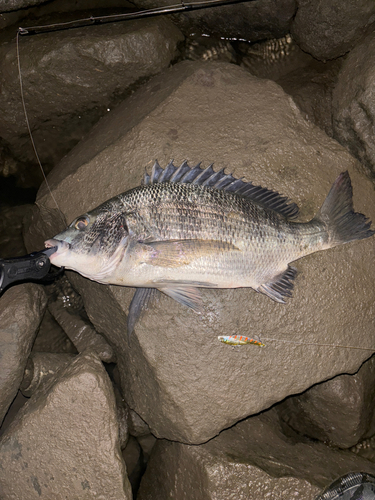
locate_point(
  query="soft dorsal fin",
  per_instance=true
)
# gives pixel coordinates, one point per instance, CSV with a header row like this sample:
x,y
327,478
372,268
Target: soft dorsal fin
x,y
220,180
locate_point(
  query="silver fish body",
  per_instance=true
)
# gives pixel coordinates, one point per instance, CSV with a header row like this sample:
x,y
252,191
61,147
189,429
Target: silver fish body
x,y
190,228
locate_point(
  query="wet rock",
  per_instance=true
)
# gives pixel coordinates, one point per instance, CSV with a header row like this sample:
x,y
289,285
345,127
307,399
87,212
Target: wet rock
x,y
330,29
82,72
254,459
64,441
135,466
21,311
353,103
147,443
249,20
41,367
308,81
174,356
51,337
10,5
14,408
311,88
82,335
339,411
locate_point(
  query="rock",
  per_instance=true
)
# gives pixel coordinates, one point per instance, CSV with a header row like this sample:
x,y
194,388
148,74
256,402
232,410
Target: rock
x,y
41,367
82,72
330,29
51,337
82,334
21,311
14,408
10,5
336,411
253,459
135,466
311,88
308,81
248,20
353,103
174,356
64,441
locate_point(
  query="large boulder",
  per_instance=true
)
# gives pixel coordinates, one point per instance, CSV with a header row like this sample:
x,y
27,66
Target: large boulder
x,y
330,29
64,442
21,312
253,459
175,374
353,103
337,411
72,78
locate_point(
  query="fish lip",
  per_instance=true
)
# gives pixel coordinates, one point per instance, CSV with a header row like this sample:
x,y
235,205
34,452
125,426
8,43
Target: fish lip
x,y
61,246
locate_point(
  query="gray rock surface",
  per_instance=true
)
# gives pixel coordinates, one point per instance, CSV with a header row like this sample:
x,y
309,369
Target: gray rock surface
x,y
353,103
308,81
71,78
330,29
21,311
174,356
254,459
10,5
64,441
42,367
311,88
339,411
248,20
51,337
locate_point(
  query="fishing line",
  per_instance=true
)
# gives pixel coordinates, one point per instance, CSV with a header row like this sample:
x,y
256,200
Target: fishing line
x,y
322,345
89,21
28,124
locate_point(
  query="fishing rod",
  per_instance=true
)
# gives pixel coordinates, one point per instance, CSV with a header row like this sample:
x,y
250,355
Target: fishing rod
x,y
114,18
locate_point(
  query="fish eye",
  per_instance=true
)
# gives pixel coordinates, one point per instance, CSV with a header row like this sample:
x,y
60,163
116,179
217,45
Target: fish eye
x,y
81,223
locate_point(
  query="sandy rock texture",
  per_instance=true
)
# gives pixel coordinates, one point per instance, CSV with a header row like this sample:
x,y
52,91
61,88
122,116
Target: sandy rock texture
x,y
174,357
72,78
64,441
330,29
353,103
21,311
253,459
337,411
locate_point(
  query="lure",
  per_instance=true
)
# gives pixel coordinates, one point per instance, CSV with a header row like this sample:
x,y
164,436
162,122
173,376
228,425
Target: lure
x,y
239,340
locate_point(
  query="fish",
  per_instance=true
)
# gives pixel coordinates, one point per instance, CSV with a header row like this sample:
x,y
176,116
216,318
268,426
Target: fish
x,y
239,340
187,228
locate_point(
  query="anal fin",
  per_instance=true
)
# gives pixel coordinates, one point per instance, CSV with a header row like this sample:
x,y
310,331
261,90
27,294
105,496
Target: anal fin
x,y
280,288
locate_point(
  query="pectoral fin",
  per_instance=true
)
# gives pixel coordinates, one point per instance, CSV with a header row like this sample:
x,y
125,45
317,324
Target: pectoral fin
x,y
176,253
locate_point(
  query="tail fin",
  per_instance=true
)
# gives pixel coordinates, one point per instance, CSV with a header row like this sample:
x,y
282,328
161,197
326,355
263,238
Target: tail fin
x,y
343,224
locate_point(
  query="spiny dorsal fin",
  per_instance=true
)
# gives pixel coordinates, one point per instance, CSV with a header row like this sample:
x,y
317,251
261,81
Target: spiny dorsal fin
x,y
226,182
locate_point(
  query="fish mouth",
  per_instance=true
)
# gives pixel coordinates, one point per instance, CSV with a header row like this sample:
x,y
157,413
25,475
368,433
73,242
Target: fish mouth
x,y
61,247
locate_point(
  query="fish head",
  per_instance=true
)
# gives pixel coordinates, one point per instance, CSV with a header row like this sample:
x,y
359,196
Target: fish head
x,y
93,244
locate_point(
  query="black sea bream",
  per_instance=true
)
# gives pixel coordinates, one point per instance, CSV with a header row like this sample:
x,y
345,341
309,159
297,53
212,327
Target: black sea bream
x,y
187,228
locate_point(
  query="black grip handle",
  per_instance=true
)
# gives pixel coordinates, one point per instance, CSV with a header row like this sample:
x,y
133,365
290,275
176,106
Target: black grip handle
x,y
34,266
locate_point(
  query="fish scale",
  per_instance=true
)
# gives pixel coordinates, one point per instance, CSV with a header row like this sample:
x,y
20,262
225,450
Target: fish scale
x,y
188,228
